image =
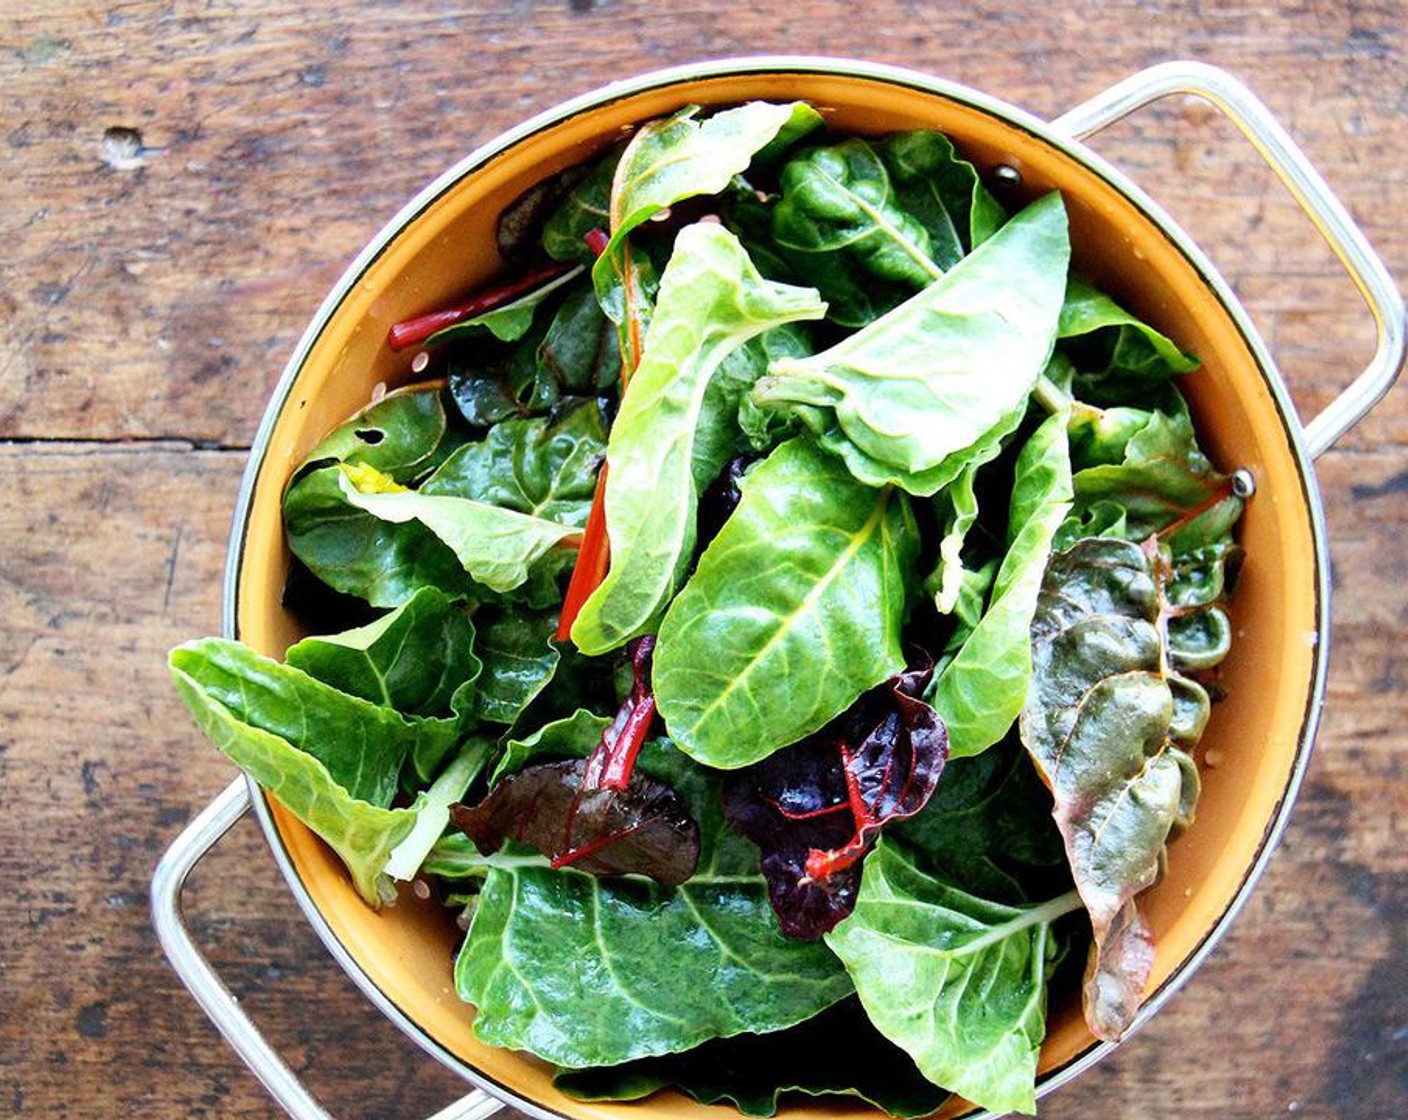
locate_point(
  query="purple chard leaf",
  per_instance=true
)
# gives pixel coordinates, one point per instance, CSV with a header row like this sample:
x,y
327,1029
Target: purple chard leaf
x,y
816,808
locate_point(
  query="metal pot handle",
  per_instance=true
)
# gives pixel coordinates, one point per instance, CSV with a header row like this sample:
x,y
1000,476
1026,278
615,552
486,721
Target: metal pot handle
x,y
209,991
1241,106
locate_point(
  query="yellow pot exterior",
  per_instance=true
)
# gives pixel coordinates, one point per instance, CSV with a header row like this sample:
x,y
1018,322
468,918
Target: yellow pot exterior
x,y
1258,734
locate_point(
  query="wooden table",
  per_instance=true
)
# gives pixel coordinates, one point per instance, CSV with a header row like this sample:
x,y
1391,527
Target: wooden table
x,y
181,183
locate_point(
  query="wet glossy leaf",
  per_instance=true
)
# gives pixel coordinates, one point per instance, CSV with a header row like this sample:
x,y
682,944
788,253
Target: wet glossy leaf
x,y
544,467
1116,975
933,377
586,207
359,554
580,353
794,610
757,1074
982,689
398,435
583,971
958,982
413,659
519,661
838,223
940,188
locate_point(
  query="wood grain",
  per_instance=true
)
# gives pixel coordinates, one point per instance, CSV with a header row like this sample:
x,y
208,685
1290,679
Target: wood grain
x,y
149,296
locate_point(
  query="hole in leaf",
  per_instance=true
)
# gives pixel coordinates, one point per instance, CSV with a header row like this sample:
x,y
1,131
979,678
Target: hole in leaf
x,y
370,436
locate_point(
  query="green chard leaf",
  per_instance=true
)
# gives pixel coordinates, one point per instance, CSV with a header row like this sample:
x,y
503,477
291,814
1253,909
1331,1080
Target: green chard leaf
x,y
359,554
1109,726
1137,473
519,232
988,829
418,659
498,547
728,423
587,207
571,736
958,982
980,693
511,321
560,346
712,300
943,190
332,759
955,502
580,353
414,659
362,745
794,610
399,436
934,377
838,224
922,484
681,157
570,966
667,162
544,467
1117,357
757,1073
491,380
519,659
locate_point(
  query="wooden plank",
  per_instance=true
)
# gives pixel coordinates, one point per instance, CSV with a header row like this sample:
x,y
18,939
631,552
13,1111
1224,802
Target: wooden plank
x,y
161,296
113,555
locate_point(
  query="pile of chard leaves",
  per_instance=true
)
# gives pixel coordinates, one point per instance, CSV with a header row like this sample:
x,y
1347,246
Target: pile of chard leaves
x,y
796,752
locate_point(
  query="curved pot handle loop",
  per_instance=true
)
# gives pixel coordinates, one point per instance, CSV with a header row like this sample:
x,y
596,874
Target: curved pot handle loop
x,y
1241,106
209,991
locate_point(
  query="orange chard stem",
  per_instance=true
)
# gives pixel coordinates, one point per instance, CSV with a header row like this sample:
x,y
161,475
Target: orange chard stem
x,y
592,559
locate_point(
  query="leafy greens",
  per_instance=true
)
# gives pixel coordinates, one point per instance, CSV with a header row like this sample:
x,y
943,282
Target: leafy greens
x,y
890,631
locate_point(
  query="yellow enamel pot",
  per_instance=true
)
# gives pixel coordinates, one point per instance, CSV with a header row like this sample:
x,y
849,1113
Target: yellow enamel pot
x,y
442,246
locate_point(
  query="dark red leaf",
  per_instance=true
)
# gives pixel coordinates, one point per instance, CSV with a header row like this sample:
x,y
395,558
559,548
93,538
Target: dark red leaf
x,y
816,808
643,829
